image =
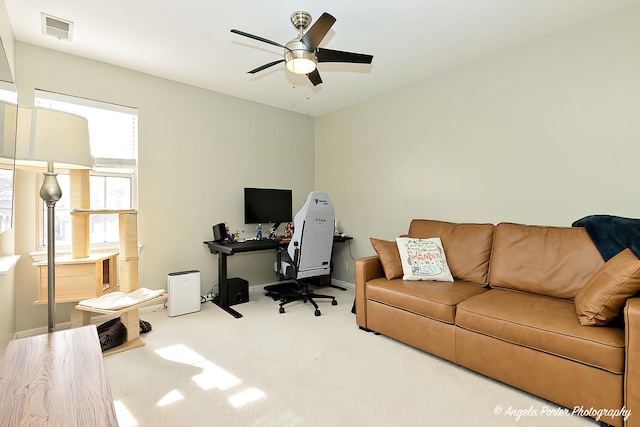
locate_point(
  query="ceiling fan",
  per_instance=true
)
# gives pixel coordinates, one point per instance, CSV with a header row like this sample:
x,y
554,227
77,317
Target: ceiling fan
x,y
302,54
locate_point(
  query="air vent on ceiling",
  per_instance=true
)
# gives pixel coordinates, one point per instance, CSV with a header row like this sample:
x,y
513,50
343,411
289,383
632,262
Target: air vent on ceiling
x,y
56,27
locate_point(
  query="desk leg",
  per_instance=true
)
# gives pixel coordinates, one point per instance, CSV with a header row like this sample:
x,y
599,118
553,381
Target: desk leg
x,y
279,265
223,287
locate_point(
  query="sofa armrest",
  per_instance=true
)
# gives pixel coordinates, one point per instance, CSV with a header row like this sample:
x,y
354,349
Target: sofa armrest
x,y
632,368
366,269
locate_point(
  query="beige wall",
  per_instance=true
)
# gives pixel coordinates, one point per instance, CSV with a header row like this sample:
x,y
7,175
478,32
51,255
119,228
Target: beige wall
x,y
6,35
543,133
197,151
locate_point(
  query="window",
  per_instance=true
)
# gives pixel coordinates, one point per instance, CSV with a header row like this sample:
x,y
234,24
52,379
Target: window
x,y
8,102
113,133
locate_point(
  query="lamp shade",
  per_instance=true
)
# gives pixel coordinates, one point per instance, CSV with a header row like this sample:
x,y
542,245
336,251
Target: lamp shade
x,y
301,64
51,136
298,58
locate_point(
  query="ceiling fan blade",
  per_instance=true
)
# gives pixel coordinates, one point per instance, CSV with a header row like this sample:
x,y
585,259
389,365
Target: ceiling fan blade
x,y
261,39
265,66
329,55
314,76
318,30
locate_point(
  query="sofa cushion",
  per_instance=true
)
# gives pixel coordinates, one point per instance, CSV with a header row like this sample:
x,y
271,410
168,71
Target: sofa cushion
x,y
436,300
423,259
545,324
605,294
468,246
389,257
552,261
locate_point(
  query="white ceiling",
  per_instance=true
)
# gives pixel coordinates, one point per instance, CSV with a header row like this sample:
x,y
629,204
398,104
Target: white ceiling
x,y
190,41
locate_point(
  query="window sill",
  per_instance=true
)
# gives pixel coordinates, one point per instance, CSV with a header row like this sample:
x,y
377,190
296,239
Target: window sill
x,y
7,263
41,255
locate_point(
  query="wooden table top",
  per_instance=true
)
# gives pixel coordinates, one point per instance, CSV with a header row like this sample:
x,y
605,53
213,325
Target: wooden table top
x,y
56,379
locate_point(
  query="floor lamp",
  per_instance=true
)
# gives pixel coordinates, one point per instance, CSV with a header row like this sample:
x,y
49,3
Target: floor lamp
x,y
48,139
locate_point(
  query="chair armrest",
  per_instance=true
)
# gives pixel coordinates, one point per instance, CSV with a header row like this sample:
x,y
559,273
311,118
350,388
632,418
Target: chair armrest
x,y
632,368
366,269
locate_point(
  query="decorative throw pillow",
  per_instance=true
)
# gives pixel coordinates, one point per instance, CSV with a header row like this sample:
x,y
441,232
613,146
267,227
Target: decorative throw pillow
x,y
423,259
389,257
606,292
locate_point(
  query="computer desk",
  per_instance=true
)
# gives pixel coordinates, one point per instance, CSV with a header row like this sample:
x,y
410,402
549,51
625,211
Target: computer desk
x,y
227,249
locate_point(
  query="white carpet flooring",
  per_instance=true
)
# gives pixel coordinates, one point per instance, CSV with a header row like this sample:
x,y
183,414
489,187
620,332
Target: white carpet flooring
x,y
295,369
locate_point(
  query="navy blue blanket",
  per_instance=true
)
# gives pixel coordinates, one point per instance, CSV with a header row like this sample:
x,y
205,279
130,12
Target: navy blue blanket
x,y
612,234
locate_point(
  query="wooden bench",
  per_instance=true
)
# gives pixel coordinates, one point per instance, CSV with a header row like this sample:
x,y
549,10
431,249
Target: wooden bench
x,y
56,379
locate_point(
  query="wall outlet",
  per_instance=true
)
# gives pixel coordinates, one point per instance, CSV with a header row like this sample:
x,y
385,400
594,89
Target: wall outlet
x,y
346,265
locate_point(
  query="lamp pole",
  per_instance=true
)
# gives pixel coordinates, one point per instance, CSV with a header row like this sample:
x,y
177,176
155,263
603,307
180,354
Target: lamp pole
x,y
50,192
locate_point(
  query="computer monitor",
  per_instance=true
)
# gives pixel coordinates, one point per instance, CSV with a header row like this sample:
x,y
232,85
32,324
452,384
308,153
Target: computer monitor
x,y
267,205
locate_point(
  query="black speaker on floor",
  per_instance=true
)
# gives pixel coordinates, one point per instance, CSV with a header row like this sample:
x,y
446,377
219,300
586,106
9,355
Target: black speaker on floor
x,y
237,291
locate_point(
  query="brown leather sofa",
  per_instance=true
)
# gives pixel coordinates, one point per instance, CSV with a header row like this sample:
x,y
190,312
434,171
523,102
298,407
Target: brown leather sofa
x,y
509,314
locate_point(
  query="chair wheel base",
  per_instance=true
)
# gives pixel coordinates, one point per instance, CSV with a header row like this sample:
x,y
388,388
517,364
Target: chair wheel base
x,y
305,295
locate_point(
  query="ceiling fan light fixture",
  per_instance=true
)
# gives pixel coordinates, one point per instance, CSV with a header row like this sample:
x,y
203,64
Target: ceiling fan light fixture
x,y
298,59
303,53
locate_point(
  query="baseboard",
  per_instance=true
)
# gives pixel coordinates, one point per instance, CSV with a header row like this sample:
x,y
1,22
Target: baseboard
x,y
343,284
336,282
41,330
96,320
153,308
270,283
